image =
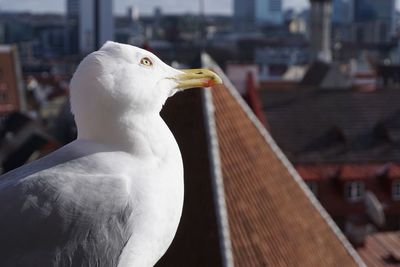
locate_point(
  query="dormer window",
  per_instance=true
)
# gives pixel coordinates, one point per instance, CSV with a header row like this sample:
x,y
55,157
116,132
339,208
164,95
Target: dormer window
x,y
396,190
354,191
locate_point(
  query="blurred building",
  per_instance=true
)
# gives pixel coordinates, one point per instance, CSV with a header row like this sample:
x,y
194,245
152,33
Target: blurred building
x,y
12,97
72,27
298,23
343,11
37,36
344,143
22,138
374,21
250,14
244,14
49,40
320,33
342,20
129,29
96,24
364,21
364,25
269,12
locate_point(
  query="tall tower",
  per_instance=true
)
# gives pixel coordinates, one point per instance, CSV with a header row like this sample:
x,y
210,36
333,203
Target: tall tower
x,y
96,24
248,14
375,20
72,28
320,25
244,14
269,12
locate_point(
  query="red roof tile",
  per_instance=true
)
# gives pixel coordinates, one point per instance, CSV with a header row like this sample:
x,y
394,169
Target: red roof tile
x,y
360,171
317,172
272,220
381,249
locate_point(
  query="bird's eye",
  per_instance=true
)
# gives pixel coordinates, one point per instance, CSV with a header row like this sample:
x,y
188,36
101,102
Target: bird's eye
x,y
146,62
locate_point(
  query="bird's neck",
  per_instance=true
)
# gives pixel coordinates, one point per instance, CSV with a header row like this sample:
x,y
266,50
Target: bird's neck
x,y
142,135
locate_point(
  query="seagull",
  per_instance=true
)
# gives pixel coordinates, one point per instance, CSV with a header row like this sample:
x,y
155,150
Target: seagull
x,y
114,196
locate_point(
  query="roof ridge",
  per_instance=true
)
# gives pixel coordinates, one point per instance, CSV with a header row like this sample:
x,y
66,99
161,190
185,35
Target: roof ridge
x,y
208,62
217,180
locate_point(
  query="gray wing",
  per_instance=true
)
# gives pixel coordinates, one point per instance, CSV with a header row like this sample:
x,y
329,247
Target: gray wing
x,y
64,216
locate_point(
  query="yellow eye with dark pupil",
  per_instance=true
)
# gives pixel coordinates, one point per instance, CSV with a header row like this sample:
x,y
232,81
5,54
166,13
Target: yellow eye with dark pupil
x,y
146,61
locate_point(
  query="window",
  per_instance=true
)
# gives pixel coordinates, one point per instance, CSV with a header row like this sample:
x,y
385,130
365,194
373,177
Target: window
x,y
313,187
354,191
396,190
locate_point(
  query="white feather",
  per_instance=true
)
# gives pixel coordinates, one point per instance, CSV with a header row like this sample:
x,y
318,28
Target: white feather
x,y
125,155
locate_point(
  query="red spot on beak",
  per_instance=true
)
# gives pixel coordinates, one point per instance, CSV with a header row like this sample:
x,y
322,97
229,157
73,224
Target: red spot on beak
x,y
209,83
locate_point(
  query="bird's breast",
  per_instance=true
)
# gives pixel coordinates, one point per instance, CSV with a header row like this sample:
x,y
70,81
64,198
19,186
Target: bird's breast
x,y
157,198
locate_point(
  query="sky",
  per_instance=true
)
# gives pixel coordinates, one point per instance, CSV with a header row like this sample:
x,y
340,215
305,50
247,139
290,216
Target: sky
x,y
144,6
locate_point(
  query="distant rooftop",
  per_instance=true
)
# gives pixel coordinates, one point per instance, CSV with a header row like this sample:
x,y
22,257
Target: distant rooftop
x,y
381,250
313,125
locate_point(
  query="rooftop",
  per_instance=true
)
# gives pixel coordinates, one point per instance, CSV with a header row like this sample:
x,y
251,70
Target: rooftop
x,y
244,204
381,249
330,126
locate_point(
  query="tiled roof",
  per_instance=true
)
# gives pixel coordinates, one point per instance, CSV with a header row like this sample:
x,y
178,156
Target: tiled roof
x,y
271,217
334,126
381,249
272,220
360,171
315,74
317,172
348,171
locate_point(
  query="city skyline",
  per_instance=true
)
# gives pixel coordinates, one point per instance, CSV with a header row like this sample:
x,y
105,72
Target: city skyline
x,y
145,7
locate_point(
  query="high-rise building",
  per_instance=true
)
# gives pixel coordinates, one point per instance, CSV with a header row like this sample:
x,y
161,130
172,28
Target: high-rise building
x,y
269,12
343,11
244,14
72,27
248,14
342,20
89,23
96,24
374,20
320,24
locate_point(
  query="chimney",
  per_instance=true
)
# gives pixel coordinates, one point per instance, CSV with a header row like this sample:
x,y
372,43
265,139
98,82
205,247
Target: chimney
x,y
320,25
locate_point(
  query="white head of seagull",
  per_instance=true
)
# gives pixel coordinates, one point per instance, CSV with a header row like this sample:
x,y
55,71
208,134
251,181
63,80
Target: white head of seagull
x,y
120,82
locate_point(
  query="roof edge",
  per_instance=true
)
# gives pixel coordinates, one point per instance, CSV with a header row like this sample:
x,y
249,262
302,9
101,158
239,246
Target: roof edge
x,y
208,62
217,180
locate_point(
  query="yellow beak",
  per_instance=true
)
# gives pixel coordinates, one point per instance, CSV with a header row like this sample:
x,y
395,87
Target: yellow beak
x,y
192,78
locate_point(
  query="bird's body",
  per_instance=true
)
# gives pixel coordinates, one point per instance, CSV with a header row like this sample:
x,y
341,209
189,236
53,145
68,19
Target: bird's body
x,y
114,196
100,196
